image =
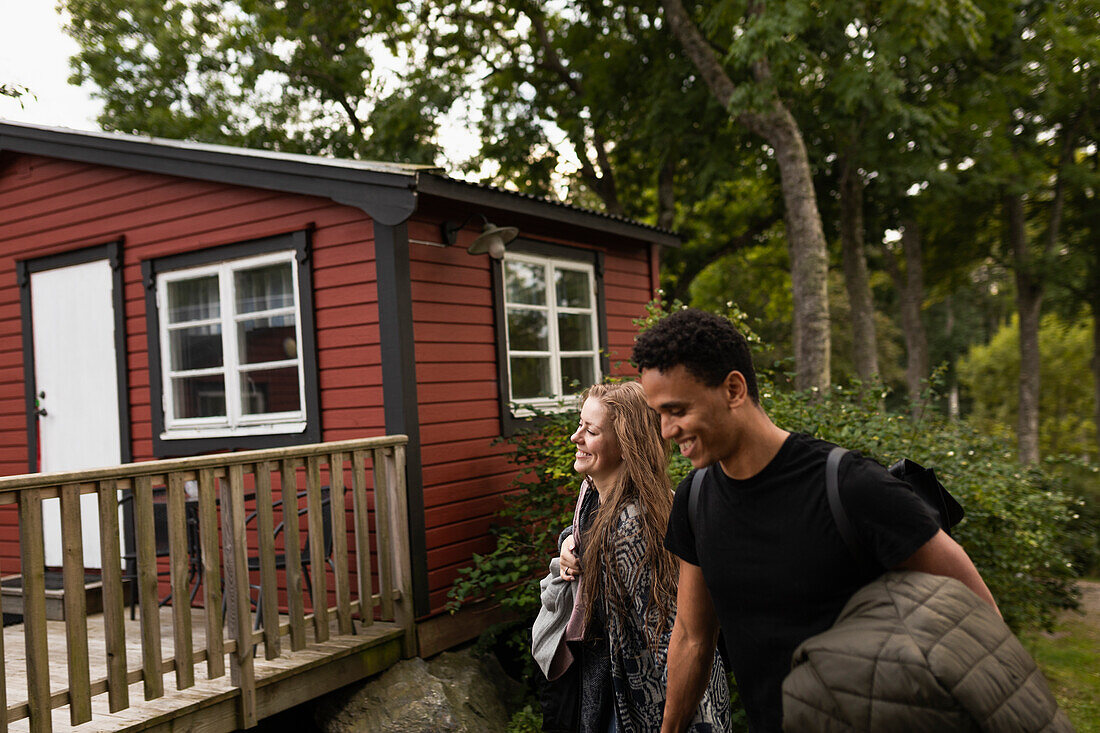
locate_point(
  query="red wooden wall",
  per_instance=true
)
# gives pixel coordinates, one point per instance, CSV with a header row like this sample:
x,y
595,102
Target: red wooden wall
x,y
456,373
50,206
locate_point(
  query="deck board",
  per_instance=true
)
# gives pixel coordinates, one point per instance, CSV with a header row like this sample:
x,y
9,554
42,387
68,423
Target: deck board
x,y
150,714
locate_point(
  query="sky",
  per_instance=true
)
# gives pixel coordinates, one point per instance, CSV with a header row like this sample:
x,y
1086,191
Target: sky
x,y
34,52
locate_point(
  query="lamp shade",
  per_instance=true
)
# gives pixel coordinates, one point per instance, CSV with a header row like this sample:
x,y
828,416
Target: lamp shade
x,y
492,240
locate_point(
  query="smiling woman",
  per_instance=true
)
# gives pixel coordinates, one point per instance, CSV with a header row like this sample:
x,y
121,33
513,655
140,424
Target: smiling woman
x,y
616,639
598,454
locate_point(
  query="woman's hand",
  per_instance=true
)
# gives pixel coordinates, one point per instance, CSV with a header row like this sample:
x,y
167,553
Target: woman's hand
x,y
570,567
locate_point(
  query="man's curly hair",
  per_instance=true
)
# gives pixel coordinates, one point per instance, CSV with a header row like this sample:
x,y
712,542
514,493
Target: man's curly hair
x,y
708,346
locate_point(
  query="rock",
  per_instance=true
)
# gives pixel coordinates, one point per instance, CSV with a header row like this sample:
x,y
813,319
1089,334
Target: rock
x,y
455,692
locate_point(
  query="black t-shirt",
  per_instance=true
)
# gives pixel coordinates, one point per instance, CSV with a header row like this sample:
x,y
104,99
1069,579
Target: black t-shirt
x,y
777,567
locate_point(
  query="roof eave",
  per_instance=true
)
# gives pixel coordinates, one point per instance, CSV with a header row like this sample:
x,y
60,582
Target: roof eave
x,y
435,185
388,197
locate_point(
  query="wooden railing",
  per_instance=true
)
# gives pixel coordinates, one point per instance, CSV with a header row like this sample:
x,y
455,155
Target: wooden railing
x,y
232,496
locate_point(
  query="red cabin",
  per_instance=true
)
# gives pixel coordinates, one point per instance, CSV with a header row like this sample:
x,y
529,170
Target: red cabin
x,y
164,298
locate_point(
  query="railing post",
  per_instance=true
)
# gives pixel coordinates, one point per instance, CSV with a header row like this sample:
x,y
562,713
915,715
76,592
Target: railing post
x,y
211,573
179,562
292,547
76,612
338,513
242,673
33,559
147,587
317,548
404,615
3,681
362,537
383,524
265,531
114,602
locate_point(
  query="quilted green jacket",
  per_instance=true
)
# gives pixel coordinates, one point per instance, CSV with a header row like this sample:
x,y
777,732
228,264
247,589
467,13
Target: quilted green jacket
x,y
917,652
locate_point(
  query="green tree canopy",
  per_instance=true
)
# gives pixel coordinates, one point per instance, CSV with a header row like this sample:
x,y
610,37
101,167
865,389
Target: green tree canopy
x,y
339,78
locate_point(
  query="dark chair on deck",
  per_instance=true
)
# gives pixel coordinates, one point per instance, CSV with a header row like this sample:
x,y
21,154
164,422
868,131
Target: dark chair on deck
x,y
160,533
280,557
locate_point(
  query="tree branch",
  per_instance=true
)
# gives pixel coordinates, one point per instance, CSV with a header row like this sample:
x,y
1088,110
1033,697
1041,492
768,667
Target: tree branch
x,y
666,201
551,59
1057,204
705,59
699,51
602,181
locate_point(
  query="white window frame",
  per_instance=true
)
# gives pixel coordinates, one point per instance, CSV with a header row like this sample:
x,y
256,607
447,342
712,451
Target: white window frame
x,y
558,401
234,423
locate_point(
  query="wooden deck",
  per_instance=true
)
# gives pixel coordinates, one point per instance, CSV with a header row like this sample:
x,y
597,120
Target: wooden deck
x,y
289,679
269,529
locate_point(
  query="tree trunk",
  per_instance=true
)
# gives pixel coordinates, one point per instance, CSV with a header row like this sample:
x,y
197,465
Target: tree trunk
x,y
864,340
809,257
952,377
805,234
1029,298
666,194
910,286
1096,365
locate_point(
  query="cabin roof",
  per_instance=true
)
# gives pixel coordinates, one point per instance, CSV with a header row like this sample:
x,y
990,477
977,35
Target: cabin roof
x,y
388,192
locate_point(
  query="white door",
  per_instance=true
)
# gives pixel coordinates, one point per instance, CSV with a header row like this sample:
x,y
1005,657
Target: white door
x,y
72,313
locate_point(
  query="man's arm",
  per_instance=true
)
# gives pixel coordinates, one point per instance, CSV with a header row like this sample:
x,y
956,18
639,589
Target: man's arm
x,y
690,650
941,555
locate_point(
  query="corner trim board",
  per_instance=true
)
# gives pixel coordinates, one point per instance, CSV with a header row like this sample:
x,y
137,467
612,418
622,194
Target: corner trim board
x,y
399,394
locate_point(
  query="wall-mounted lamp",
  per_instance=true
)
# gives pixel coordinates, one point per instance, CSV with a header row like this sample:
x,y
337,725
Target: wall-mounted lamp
x,y
492,239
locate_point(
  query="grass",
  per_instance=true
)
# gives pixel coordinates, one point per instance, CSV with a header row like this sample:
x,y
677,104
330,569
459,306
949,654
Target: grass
x,y
1069,659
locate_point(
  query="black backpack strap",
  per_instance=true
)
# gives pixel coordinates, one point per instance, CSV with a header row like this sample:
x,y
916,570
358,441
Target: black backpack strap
x,y
832,490
693,504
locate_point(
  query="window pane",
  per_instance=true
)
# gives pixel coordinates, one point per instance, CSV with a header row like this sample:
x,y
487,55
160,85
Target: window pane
x,y
525,283
270,390
199,396
573,289
193,300
531,377
264,288
267,339
528,330
577,373
196,348
575,332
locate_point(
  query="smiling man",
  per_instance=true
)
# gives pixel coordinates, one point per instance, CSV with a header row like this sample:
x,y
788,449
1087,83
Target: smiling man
x,y
763,559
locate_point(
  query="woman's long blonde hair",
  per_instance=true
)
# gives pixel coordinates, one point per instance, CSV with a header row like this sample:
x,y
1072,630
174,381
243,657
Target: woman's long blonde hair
x,y
643,481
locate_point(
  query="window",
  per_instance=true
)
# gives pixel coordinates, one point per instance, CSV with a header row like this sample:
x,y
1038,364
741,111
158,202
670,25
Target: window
x,y
231,347
552,328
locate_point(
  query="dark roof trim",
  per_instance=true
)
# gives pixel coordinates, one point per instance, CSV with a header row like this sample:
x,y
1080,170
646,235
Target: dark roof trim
x,y
476,195
385,192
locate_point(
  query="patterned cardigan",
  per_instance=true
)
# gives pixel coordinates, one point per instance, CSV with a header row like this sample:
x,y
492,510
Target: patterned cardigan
x,y
638,675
